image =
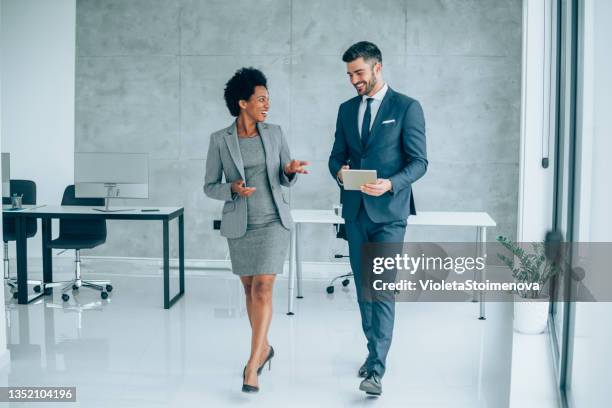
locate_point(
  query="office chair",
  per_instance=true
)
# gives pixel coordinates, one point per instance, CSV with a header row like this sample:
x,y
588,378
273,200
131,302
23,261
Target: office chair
x,y
26,188
77,235
341,234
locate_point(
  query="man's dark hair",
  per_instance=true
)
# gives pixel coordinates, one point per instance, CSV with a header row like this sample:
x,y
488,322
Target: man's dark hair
x,y
367,50
241,86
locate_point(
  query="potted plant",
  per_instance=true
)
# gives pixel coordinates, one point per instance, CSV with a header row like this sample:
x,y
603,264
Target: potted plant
x,y
531,306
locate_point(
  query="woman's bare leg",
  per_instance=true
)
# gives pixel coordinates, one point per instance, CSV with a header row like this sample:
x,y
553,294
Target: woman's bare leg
x,y
261,316
247,283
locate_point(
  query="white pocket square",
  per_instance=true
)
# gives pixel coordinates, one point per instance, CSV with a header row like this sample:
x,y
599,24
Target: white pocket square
x,y
386,122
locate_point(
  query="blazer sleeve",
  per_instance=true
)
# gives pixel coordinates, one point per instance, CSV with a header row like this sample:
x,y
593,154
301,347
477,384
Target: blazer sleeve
x,y
414,146
340,153
213,185
285,157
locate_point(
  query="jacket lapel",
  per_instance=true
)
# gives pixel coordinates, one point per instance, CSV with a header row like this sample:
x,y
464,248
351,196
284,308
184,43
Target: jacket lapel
x,y
231,139
353,129
383,112
263,130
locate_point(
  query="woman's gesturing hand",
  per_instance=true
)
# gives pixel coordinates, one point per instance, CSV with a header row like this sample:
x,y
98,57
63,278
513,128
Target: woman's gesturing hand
x,y
239,188
296,166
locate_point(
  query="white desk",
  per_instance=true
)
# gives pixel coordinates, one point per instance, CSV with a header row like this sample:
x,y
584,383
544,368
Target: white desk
x,y
480,220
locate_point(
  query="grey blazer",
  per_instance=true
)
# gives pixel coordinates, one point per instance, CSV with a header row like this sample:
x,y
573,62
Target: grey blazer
x,y
224,159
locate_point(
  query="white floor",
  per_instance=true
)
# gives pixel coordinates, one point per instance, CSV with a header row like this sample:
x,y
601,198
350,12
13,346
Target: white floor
x,y
128,351
533,379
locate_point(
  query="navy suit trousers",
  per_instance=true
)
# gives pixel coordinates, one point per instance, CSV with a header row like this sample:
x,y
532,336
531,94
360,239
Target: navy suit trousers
x,y
377,317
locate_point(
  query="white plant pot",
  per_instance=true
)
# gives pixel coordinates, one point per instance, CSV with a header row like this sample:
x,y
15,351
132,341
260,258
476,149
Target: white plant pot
x,y
531,315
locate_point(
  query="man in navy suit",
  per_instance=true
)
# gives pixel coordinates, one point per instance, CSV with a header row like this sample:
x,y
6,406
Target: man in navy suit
x,y
382,130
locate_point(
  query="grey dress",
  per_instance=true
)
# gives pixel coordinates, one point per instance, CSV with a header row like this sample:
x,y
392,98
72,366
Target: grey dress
x,y
263,249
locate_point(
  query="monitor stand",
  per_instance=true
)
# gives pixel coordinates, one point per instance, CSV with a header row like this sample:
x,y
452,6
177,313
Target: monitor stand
x,y
107,209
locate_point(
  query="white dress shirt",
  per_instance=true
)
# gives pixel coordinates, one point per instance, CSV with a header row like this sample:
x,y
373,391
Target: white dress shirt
x,y
375,104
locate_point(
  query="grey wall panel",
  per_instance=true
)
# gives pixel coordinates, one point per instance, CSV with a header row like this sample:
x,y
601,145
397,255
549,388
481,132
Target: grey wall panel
x,y
221,27
463,27
128,104
134,27
470,103
154,81
329,27
318,86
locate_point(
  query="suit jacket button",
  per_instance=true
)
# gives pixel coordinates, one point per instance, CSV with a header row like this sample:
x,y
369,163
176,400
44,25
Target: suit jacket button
x,y
364,156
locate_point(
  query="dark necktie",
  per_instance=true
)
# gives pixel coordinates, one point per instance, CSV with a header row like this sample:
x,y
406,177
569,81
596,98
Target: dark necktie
x,y
365,126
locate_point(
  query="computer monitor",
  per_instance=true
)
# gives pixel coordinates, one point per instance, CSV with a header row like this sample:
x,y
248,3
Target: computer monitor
x,y
111,175
6,175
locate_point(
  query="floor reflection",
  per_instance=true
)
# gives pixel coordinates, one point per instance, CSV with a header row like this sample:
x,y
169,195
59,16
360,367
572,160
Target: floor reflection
x,y
129,351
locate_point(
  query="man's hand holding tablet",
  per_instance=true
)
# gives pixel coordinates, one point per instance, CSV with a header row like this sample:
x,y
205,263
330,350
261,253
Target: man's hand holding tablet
x,y
363,180
378,188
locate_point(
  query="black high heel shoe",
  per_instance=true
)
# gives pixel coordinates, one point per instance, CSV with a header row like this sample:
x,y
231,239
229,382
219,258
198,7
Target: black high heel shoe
x,y
247,387
267,360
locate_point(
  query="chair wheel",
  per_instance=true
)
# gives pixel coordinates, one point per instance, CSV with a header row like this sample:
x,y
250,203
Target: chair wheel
x,y
109,288
48,291
330,289
75,287
15,295
345,282
37,288
65,297
104,295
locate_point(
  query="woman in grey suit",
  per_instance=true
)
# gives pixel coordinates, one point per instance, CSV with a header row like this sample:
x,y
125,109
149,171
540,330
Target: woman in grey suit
x,y
254,159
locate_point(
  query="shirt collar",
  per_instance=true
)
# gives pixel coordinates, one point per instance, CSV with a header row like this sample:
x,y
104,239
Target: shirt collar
x,y
378,95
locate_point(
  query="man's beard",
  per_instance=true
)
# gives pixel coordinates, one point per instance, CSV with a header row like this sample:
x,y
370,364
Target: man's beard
x,y
369,86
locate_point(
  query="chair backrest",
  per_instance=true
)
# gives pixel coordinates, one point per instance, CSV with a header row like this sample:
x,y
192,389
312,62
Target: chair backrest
x,y
81,228
27,188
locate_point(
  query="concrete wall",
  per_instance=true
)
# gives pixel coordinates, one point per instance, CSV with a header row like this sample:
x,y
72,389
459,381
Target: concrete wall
x,y
150,76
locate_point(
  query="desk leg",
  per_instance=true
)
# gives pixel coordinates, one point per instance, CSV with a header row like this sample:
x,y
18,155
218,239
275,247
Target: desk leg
x,y
47,256
291,271
476,254
483,252
166,263
22,261
181,238
22,264
298,262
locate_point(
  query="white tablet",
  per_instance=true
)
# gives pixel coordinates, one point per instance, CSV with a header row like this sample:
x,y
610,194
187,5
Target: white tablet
x,y
354,179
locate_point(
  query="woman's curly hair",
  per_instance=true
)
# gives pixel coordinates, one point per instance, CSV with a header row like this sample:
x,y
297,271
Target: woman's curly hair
x,y
241,86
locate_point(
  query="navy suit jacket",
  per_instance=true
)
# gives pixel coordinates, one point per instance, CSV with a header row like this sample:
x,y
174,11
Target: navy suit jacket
x,y
396,149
